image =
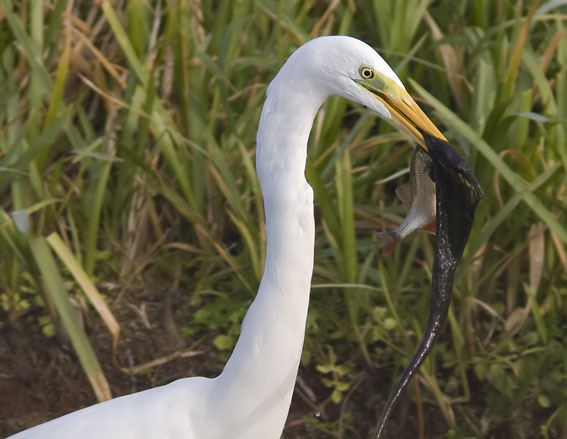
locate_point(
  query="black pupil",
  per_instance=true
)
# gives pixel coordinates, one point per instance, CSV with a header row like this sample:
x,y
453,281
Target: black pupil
x,y
366,73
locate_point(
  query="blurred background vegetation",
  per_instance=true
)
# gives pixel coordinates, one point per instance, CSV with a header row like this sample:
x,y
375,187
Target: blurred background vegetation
x,y
131,224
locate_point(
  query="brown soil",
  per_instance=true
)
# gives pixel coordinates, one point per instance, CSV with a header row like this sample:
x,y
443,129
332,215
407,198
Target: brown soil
x,y
41,378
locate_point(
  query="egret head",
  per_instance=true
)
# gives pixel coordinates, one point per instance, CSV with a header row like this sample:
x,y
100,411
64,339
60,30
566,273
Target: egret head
x,y
347,67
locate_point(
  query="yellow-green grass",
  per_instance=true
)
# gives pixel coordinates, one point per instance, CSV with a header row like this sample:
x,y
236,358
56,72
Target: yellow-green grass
x,y
127,134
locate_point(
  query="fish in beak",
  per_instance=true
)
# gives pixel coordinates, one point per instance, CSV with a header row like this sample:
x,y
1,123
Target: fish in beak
x,y
410,119
419,193
457,195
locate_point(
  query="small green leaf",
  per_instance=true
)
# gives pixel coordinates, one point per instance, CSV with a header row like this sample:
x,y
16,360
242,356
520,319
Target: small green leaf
x,y
224,342
48,330
341,370
327,382
342,386
390,323
324,368
336,396
379,312
543,400
480,371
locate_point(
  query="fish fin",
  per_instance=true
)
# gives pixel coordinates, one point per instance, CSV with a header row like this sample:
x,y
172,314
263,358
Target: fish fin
x,y
430,227
389,241
403,192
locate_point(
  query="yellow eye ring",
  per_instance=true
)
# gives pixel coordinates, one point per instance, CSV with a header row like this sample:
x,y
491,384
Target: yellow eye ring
x,y
366,72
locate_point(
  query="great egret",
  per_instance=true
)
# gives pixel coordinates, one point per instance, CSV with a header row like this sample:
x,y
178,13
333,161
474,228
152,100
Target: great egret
x,y
250,399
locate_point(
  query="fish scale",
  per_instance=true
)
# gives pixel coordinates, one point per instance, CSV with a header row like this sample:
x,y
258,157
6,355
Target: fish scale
x,y
422,201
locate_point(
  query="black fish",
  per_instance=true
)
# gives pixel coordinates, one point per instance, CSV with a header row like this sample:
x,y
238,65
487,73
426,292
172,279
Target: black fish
x,y
458,193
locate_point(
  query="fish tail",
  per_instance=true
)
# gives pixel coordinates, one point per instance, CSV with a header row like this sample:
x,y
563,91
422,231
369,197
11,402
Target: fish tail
x,y
389,241
434,325
431,227
441,287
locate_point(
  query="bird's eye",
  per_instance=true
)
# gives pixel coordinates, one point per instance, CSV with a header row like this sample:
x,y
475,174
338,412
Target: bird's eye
x,y
366,72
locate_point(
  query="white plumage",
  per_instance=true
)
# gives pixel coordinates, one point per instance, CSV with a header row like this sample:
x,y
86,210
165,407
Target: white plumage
x,y
250,399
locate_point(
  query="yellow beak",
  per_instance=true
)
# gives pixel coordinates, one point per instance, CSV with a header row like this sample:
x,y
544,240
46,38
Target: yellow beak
x,y
406,114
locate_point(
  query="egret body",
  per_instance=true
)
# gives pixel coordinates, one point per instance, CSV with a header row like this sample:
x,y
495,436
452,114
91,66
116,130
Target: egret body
x,y
250,399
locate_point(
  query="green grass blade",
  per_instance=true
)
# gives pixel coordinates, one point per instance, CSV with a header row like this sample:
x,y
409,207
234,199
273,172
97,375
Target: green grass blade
x,y
125,43
55,287
503,213
30,49
485,149
85,283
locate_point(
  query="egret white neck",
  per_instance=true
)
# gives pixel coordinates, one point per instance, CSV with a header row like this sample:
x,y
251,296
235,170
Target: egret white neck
x,y
283,296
